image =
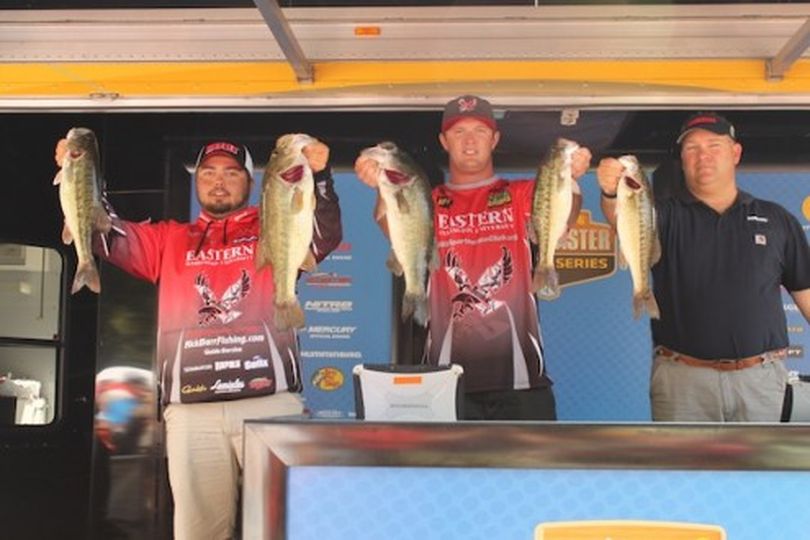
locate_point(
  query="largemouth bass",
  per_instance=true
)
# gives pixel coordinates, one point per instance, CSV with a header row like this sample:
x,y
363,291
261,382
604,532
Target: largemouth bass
x,y
405,194
637,232
80,189
287,213
551,208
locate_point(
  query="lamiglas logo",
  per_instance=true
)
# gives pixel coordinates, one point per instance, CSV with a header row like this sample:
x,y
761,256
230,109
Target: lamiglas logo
x,y
587,252
328,379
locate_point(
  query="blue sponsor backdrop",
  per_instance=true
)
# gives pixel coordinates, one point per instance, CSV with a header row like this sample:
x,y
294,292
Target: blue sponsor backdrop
x,y
414,503
597,354
358,329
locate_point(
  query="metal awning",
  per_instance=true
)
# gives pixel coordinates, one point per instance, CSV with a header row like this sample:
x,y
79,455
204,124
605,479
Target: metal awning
x,y
404,56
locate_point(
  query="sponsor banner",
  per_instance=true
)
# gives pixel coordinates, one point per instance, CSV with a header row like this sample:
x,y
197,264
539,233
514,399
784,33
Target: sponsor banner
x,y
347,304
328,386
229,365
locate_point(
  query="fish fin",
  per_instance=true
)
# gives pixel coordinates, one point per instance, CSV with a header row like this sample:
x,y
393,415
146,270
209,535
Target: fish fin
x,y
655,249
297,201
309,264
105,244
402,203
434,261
58,178
546,283
563,238
415,305
393,264
101,221
289,315
532,232
86,276
67,236
645,300
620,260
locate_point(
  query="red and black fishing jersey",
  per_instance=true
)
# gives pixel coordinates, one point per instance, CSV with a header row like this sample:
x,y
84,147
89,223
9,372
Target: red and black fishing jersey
x,y
216,337
483,314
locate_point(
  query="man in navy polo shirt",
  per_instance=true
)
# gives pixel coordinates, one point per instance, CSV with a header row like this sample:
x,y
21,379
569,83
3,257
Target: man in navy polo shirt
x,y
721,339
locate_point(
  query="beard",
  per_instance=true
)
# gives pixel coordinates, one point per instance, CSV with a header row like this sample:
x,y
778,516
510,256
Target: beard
x,y
219,208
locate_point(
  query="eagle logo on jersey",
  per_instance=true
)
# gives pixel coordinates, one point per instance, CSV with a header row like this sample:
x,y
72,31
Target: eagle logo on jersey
x,y
478,296
222,309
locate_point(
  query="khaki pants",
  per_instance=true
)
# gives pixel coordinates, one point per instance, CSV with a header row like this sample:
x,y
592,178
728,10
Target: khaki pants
x,y
684,393
204,448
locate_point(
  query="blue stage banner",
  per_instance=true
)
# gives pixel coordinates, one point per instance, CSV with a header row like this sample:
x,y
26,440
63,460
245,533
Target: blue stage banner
x,y
347,303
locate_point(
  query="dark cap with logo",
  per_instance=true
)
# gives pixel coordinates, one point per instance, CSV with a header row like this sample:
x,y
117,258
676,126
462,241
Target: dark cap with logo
x,y
238,152
710,122
468,107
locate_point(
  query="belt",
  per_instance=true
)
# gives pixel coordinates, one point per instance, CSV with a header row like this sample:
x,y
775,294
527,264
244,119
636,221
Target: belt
x,y
722,364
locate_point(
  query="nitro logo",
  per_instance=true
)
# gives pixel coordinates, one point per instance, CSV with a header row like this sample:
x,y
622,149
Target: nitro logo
x,y
228,387
221,365
223,255
489,219
257,363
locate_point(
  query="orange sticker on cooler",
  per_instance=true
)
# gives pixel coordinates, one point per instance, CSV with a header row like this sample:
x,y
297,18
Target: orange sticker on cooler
x,y
408,379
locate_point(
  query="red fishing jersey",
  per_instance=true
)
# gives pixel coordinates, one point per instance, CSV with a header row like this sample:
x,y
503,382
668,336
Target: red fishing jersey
x,y
216,337
483,315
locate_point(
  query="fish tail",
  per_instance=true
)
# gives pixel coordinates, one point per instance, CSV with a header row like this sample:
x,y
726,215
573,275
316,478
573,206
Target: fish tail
x,y
86,276
415,305
546,282
289,315
645,300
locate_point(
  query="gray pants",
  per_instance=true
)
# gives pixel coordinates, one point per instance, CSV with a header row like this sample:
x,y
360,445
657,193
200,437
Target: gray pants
x,y
683,393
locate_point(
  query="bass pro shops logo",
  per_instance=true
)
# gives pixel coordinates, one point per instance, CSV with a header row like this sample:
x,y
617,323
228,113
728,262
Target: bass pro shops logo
x,y
328,379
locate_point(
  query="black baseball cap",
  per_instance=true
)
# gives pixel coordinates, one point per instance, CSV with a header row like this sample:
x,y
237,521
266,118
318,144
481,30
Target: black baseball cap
x,y
710,122
238,152
468,107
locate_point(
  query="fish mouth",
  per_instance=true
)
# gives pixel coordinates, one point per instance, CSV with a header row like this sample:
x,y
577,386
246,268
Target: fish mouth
x,y
631,183
396,177
76,154
293,175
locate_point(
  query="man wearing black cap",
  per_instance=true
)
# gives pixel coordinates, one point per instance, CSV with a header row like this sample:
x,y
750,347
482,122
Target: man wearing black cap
x,y
721,339
482,313
221,358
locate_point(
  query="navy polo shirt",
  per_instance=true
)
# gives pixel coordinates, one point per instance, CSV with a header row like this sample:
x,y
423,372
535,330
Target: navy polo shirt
x,y
718,281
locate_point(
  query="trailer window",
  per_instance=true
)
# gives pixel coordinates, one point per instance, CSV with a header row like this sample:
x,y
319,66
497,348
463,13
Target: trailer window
x,y
29,318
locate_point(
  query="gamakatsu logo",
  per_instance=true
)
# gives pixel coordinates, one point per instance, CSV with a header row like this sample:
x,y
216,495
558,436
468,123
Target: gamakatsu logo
x,y
329,306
